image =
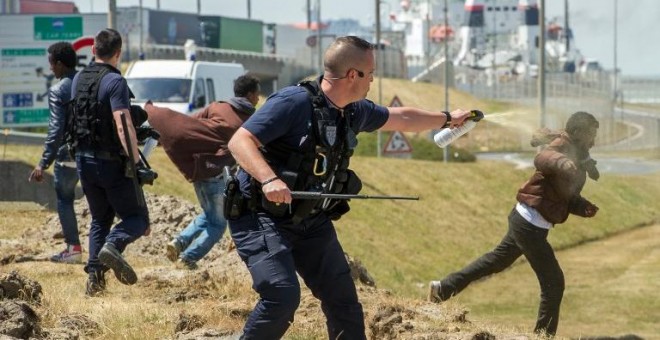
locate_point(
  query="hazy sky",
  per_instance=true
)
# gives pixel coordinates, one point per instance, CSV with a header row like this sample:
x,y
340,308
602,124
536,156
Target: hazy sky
x,y
592,22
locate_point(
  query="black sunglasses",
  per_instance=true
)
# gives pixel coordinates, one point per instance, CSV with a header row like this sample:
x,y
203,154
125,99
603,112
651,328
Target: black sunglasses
x,y
360,74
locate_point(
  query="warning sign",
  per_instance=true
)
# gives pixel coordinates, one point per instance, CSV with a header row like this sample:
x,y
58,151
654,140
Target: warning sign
x,y
397,145
395,102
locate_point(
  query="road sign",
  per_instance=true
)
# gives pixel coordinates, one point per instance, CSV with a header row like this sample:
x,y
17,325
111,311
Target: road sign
x,y
396,102
397,144
57,28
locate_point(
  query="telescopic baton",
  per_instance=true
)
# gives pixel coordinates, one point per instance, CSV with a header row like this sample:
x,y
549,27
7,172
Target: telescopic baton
x,y
131,160
310,195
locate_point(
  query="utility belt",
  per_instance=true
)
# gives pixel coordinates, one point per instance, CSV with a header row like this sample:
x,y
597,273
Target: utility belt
x,y
99,154
235,204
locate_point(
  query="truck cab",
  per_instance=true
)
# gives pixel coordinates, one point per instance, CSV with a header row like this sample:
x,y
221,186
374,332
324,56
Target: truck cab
x,y
182,85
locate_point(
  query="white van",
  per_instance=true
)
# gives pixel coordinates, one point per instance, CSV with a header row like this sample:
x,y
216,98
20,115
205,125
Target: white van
x,y
182,85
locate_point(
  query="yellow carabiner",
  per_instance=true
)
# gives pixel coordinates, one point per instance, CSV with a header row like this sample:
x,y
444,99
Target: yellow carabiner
x,y
324,165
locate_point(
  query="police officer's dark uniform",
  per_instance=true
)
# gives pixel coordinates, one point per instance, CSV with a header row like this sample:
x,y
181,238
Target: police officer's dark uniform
x,y
99,90
308,144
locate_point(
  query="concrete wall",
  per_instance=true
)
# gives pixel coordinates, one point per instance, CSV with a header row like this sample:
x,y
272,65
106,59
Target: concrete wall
x,y
14,185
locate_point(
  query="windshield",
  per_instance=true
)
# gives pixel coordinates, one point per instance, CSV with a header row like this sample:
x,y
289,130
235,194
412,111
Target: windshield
x,y
167,90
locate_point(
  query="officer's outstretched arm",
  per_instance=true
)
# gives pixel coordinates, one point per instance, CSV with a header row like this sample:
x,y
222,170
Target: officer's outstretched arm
x,y
244,146
412,119
116,115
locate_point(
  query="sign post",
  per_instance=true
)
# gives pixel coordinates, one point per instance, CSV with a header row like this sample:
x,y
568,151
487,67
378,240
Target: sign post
x,y
397,145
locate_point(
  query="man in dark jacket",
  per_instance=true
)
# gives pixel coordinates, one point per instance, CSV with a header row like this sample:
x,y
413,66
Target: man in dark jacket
x,y
197,145
544,200
62,59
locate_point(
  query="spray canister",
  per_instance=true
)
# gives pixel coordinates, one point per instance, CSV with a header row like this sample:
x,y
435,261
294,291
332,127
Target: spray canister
x,y
446,136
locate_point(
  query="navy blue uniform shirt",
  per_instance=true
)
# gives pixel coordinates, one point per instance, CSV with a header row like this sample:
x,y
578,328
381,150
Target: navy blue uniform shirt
x,y
286,117
113,90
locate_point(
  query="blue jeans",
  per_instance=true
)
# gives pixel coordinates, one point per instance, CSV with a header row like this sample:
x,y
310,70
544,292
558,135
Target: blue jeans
x,y
207,228
274,250
109,192
65,182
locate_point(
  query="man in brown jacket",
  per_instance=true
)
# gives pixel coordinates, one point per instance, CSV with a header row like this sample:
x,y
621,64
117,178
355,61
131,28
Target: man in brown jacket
x,y
544,200
197,145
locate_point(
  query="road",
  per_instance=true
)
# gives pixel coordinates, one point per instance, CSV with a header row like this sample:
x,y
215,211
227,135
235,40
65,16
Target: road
x,y
613,165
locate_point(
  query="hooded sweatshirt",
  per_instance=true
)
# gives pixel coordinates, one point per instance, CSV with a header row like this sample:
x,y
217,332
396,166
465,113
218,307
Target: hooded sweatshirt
x,y
197,144
554,189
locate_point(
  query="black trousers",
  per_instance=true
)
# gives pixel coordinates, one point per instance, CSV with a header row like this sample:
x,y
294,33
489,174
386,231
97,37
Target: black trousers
x,y
522,238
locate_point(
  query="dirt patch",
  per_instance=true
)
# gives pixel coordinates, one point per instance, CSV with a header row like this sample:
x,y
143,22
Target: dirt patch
x,y
15,286
162,283
18,319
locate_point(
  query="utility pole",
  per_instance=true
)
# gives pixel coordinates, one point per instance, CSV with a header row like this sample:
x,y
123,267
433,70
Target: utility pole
x,y
199,7
309,33
566,26
141,53
541,75
616,84
445,151
380,76
158,5
616,71
319,46
249,9
112,14
428,34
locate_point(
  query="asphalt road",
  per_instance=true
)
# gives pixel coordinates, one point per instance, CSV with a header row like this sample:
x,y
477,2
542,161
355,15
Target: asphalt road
x,y
630,166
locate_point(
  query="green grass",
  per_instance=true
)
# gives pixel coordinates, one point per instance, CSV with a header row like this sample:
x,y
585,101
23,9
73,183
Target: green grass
x,y
611,269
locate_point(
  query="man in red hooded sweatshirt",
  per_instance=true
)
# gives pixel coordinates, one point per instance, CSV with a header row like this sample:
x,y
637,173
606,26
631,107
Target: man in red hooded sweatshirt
x,y
197,145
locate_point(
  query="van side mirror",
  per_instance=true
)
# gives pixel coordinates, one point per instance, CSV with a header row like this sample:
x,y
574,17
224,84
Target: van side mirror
x,y
200,101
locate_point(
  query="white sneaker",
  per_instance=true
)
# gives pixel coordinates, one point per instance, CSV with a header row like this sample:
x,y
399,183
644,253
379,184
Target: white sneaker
x,y
434,291
172,250
72,254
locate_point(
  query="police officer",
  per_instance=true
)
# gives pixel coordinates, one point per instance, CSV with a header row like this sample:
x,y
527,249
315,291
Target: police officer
x,y
62,59
302,139
100,96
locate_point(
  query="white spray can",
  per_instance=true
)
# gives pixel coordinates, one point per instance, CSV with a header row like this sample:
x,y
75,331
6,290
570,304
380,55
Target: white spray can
x,y
446,136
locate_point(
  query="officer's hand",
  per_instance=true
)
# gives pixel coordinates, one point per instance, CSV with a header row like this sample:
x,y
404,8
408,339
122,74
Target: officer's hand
x,y
147,232
458,117
277,192
36,175
590,210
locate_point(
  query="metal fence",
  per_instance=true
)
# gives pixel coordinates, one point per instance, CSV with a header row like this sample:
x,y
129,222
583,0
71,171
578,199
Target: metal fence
x,y
565,93
640,90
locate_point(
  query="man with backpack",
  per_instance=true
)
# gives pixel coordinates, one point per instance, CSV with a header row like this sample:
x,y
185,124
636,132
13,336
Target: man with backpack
x,y
101,98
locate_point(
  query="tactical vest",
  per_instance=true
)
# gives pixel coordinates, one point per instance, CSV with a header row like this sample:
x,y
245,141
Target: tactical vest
x,y
90,125
321,163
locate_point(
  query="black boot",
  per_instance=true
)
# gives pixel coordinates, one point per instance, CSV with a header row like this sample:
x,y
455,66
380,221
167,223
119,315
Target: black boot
x,y
95,285
112,258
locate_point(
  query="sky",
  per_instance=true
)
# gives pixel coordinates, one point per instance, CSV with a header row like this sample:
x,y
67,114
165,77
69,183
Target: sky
x,y
592,21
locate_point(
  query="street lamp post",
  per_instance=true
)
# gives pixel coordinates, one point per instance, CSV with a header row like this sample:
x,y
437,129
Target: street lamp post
x,y
318,36
379,59
445,151
541,69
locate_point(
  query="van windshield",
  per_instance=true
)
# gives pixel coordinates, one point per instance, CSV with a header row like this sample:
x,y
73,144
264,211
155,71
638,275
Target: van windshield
x,y
166,90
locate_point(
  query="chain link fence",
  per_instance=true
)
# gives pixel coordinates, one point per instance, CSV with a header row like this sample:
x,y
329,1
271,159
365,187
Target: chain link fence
x,y
567,93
